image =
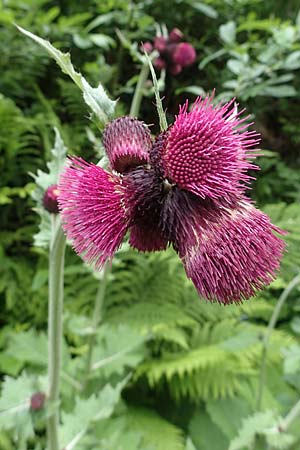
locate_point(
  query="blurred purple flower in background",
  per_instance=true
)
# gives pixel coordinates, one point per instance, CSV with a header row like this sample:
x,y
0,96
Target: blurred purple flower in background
x,y
185,189
174,55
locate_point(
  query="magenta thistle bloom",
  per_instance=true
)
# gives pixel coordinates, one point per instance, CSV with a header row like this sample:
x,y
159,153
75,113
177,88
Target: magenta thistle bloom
x,y
185,189
127,142
208,150
235,256
50,199
94,217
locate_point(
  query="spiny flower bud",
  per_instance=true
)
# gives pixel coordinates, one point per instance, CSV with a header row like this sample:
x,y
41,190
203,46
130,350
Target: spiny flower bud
x,y
37,401
127,142
50,202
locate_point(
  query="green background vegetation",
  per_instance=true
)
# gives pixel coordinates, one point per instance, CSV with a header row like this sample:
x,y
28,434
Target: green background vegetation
x,y
192,368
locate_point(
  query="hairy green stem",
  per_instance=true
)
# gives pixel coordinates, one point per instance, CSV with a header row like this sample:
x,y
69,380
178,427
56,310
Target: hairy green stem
x,y
138,94
55,331
97,317
266,339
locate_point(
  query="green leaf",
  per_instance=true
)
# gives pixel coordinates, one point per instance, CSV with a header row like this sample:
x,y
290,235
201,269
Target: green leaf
x,y
252,426
118,348
235,66
157,433
295,324
205,434
196,90
279,91
15,404
242,340
291,359
292,61
228,413
207,10
86,412
102,40
96,98
279,440
29,347
228,32
43,180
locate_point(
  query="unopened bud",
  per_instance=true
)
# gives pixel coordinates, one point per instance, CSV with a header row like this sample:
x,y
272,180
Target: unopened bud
x,y
37,401
50,202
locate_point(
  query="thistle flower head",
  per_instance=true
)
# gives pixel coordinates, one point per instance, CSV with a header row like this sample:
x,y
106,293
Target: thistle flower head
x,y
50,199
186,190
207,150
127,142
93,213
235,256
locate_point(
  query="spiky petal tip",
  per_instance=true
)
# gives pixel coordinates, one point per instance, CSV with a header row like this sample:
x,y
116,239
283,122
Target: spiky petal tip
x,y
93,213
127,142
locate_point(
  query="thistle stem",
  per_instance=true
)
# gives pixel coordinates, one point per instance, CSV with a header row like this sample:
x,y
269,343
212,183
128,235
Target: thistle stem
x,y
272,323
97,317
138,93
55,331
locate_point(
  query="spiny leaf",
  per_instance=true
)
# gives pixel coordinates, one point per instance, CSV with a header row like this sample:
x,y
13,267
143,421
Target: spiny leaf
x,y
87,411
15,404
253,425
95,98
43,180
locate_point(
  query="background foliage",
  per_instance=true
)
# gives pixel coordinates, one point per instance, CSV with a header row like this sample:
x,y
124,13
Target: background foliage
x,y
188,370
